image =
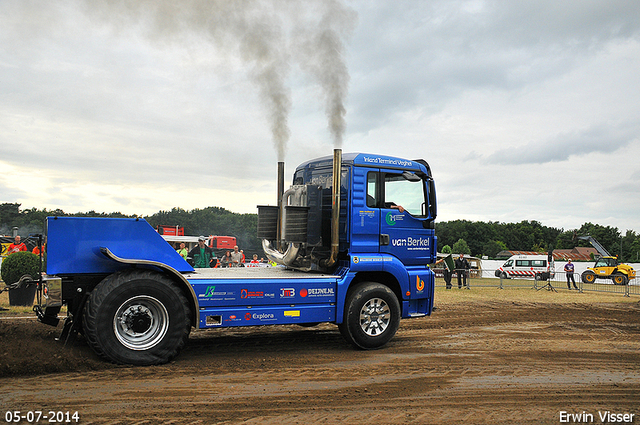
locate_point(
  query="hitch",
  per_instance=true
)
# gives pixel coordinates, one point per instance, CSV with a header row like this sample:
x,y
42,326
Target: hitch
x,y
71,326
45,317
24,281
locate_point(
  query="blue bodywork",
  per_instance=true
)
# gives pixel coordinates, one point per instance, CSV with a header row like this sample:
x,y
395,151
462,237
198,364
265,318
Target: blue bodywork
x,y
74,243
377,243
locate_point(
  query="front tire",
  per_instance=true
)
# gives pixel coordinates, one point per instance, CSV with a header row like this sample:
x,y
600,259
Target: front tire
x,y
371,316
588,276
619,279
137,317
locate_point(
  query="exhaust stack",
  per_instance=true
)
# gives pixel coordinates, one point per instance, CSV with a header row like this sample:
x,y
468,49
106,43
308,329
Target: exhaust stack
x,y
335,208
280,194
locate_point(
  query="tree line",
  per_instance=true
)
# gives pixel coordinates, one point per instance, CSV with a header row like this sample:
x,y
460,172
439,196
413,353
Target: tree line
x,y
470,237
489,238
206,221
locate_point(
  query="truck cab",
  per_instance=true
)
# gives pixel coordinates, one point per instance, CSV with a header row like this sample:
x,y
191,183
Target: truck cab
x,y
387,206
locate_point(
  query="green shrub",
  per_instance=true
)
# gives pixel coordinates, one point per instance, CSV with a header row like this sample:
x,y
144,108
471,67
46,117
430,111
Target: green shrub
x,y
19,264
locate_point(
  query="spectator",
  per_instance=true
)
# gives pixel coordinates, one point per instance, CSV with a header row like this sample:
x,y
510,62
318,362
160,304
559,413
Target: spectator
x,y
462,267
183,251
254,262
569,269
36,249
447,274
16,246
201,255
236,257
226,259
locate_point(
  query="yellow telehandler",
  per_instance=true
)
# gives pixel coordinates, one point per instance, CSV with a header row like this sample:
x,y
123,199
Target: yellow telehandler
x,y
606,266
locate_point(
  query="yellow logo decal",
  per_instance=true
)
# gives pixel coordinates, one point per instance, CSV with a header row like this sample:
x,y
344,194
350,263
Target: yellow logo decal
x,y
419,284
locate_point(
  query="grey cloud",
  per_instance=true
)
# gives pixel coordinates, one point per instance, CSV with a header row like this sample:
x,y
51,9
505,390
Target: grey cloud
x,y
436,50
602,138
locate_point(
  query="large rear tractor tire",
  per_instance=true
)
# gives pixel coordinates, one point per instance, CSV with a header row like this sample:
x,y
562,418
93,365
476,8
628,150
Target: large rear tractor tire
x,y
371,316
137,317
588,276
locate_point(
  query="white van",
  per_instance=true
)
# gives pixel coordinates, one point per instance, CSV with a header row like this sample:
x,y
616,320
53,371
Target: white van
x,y
527,266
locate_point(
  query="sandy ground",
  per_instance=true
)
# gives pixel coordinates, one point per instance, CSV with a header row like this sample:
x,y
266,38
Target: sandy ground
x,y
476,360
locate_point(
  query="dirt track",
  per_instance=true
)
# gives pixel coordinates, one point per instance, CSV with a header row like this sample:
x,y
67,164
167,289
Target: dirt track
x,y
482,361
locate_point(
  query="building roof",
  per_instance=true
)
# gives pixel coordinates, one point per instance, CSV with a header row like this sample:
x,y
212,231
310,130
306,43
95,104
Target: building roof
x,y
578,253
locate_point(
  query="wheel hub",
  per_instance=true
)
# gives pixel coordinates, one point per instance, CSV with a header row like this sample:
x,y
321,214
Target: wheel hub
x,y
137,319
141,322
374,317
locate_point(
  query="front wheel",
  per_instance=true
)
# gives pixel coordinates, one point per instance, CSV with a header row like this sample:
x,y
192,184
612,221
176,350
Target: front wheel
x,y
371,316
588,276
137,317
619,279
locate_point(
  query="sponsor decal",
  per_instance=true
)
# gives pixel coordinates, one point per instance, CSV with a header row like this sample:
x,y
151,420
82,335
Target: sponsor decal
x,y
233,318
419,284
412,243
317,292
287,292
263,316
260,316
391,218
292,313
211,292
321,292
245,293
357,260
387,161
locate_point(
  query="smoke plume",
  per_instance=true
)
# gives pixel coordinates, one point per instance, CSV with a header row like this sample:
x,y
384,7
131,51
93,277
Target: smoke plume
x,y
321,53
266,34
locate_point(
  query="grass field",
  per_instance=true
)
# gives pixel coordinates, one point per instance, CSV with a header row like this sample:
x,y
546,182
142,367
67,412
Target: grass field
x,y
525,295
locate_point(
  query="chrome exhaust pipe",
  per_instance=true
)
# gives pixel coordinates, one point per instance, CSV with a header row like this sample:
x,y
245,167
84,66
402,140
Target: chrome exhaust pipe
x,y
279,195
335,208
278,253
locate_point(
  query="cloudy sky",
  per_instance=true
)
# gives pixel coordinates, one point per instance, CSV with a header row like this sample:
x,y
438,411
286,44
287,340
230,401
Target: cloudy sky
x,y
525,110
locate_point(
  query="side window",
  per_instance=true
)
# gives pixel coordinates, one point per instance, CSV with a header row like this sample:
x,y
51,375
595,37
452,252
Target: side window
x,y
509,263
539,263
372,190
398,191
523,263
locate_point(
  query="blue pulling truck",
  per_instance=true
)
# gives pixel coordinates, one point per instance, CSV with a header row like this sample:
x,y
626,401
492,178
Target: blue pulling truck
x,y
353,237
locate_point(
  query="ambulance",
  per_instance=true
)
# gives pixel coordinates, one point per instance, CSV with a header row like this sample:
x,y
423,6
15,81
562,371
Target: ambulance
x,y
537,267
